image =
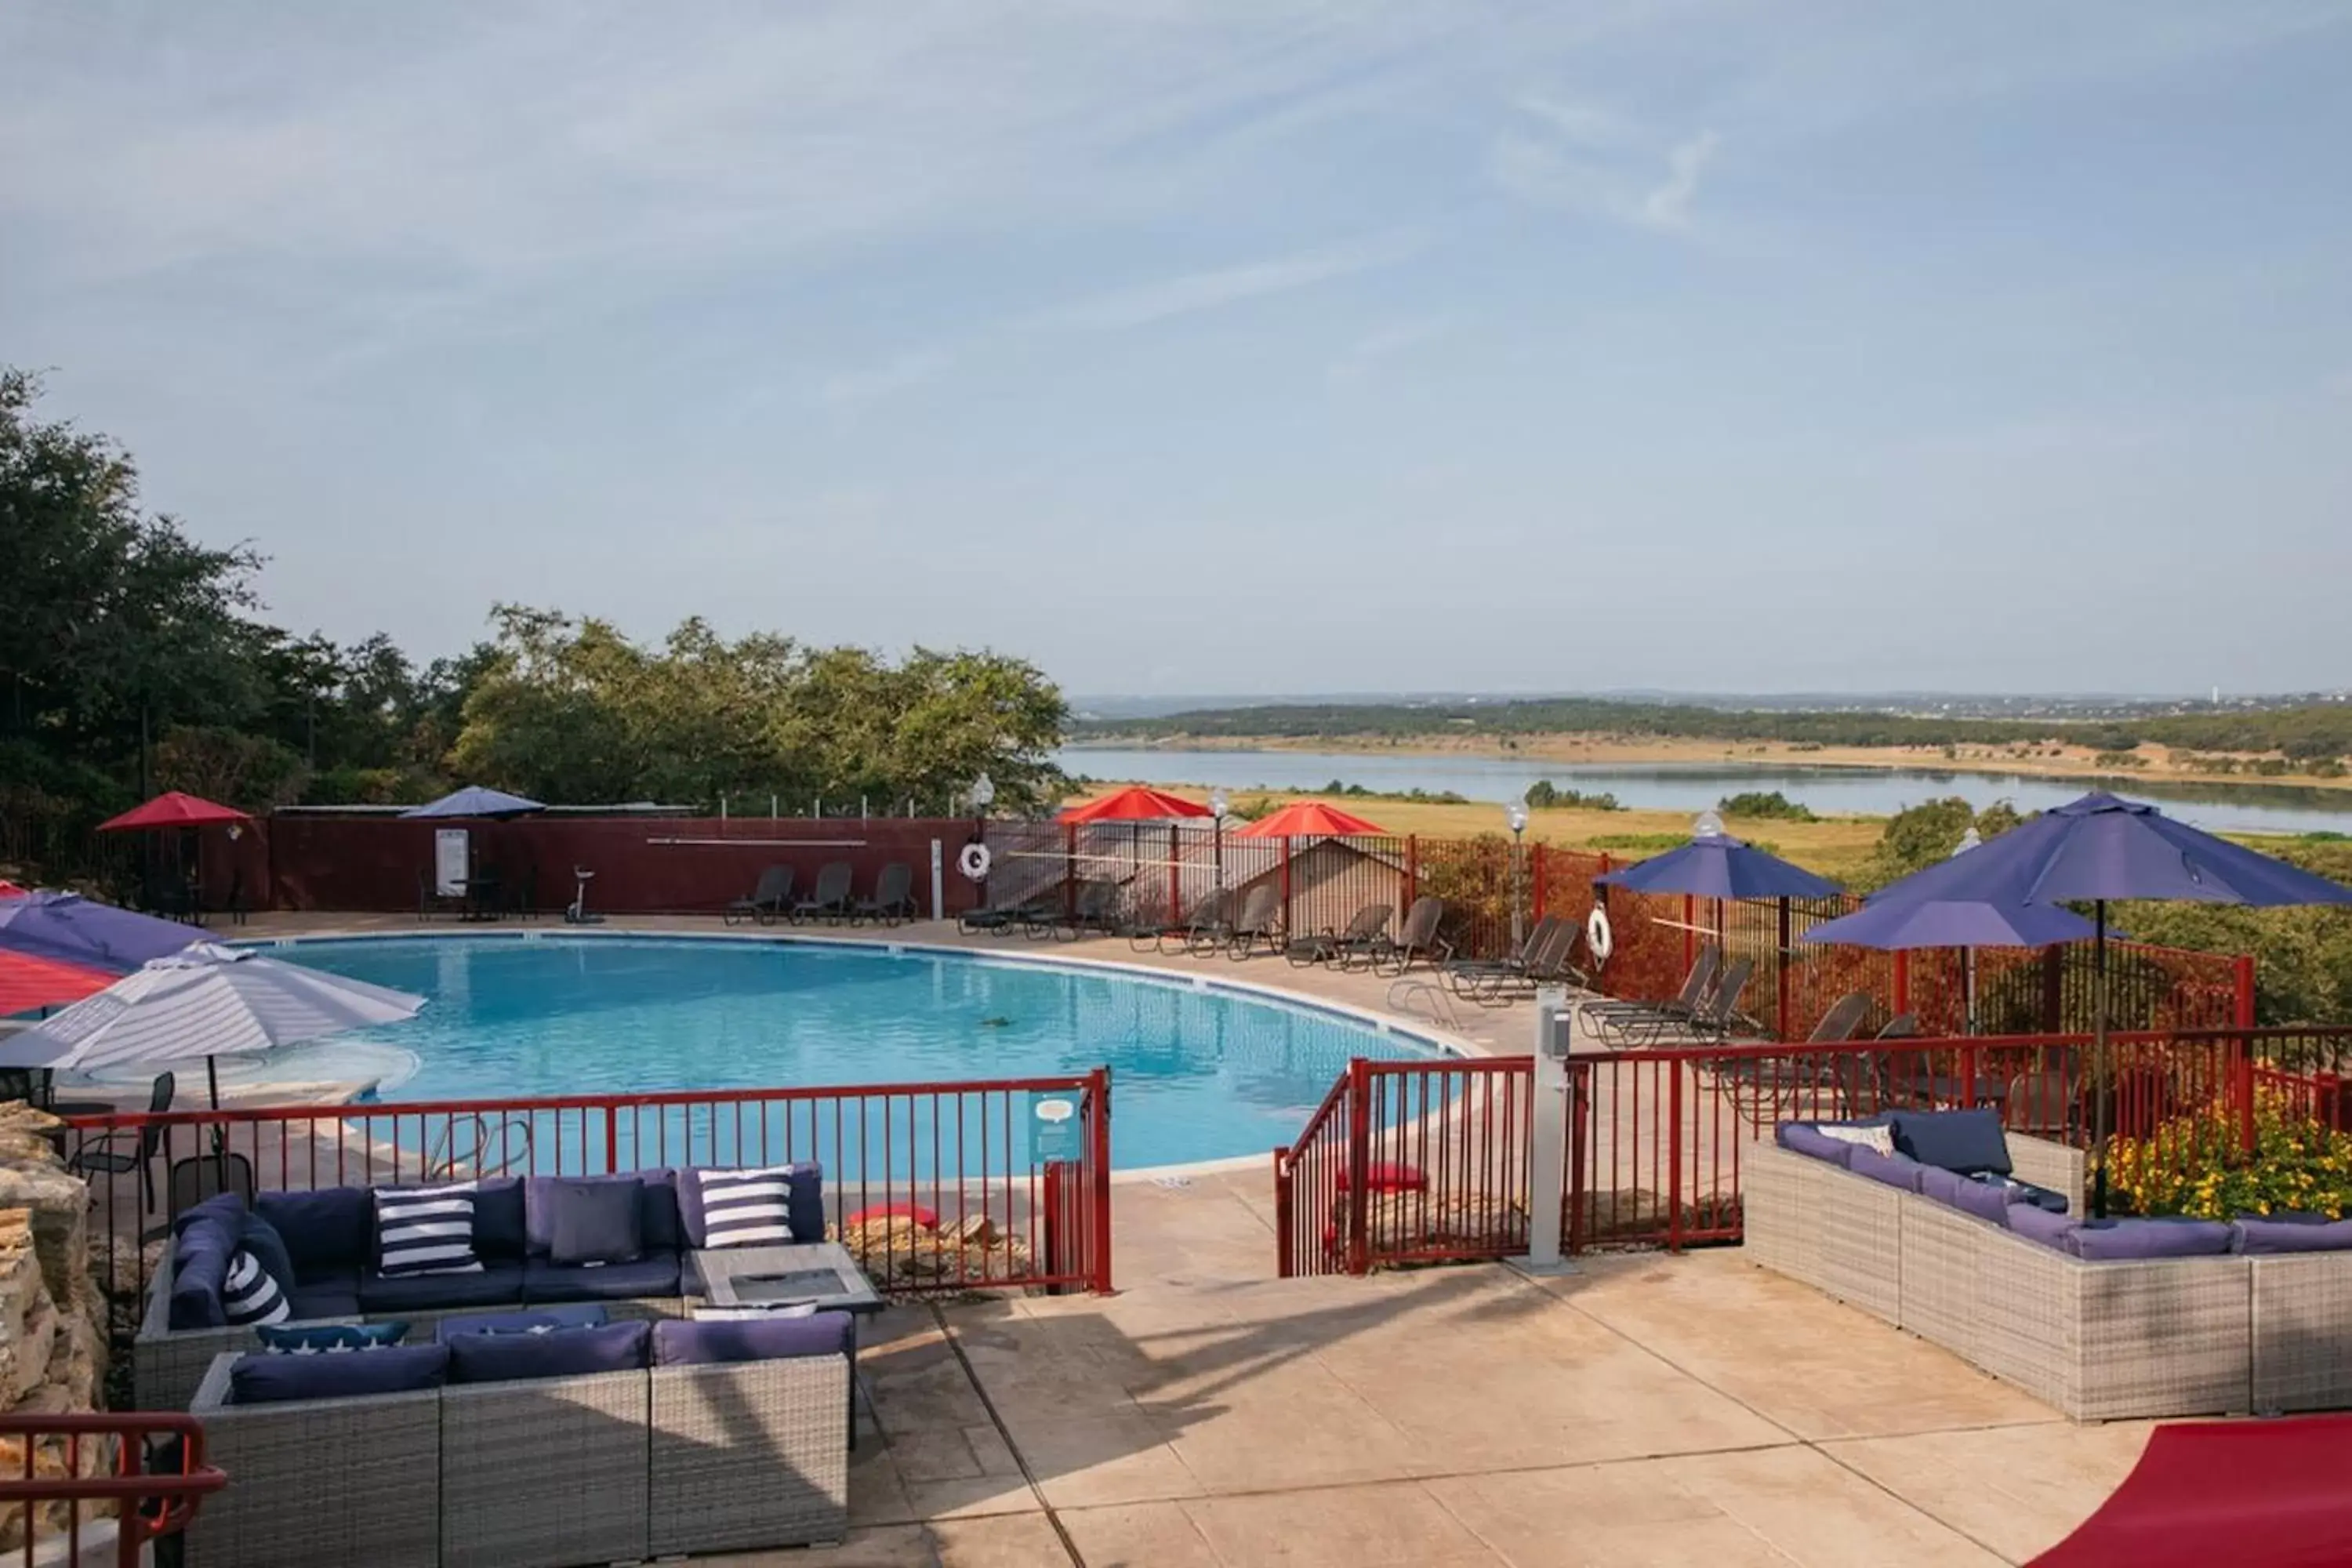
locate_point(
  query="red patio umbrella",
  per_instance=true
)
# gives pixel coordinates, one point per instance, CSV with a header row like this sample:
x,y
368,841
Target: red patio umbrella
x,y
1309,818
10,890
173,809
27,982
1135,804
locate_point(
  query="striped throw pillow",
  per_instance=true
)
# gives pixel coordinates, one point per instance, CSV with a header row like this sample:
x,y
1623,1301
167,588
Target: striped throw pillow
x,y
746,1208
425,1230
249,1295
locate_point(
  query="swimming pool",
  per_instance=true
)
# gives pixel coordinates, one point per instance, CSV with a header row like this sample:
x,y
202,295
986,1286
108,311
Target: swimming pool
x,y
1196,1073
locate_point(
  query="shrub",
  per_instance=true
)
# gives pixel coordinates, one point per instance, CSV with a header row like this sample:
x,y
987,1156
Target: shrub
x,y
1544,796
2192,1165
1768,803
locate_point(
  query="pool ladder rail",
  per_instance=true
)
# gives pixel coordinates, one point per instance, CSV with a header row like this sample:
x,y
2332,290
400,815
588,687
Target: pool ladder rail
x,y
501,1146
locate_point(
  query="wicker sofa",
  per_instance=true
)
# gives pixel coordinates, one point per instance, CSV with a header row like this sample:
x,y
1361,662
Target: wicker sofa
x,y
726,1436
328,1235
2240,1328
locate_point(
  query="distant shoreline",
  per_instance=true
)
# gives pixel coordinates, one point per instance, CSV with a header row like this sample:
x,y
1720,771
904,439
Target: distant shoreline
x,y
2072,762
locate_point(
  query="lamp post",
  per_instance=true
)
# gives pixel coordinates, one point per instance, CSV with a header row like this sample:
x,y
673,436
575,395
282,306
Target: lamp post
x,y
1516,814
1969,840
1217,804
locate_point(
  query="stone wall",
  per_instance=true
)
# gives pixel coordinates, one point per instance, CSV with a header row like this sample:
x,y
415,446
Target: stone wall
x,y
52,1338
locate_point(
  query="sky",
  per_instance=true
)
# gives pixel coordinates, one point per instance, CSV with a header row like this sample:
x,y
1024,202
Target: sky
x,y
1248,347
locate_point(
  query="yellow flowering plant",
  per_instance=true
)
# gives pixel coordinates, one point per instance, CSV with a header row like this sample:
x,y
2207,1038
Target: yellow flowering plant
x,y
2193,1165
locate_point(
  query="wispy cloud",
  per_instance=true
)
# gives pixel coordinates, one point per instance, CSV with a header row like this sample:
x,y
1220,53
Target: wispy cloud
x,y
1167,297
899,373
1591,160
1369,352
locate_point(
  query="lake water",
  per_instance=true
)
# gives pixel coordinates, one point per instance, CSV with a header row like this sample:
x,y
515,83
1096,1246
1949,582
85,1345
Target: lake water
x,y
1694,787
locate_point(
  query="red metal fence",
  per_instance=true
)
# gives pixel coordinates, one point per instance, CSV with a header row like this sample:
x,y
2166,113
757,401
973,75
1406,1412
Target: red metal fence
x,y
70,1466
1016,1172
1418,1161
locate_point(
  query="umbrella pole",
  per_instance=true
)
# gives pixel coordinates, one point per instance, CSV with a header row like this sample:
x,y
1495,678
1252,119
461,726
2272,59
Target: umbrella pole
x,y
2102,1069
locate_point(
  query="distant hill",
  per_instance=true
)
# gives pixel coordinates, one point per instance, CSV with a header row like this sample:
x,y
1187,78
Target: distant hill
x,y
2309,730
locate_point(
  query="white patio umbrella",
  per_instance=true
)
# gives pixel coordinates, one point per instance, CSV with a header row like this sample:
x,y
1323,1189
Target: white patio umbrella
x,y
208,1002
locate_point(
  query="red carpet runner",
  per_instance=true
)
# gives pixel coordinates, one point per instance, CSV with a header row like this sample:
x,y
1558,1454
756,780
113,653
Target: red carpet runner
x,y
2244,1493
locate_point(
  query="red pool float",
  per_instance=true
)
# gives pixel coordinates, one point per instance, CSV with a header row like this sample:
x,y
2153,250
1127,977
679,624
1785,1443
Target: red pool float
x,y
928,1218
1396,1177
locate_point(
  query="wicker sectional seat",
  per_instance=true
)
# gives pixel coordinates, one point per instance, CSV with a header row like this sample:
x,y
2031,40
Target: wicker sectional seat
x,y
2099,1337
724,1438
328,1232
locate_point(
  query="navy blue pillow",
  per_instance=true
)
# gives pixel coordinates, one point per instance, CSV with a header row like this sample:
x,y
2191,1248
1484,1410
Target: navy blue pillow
x,y
765,1339
268,1378
221,1208
1968,1141
331,1338
269,1248
594,1222
200,1260
659,1227
325,1229
567,1353
498,1227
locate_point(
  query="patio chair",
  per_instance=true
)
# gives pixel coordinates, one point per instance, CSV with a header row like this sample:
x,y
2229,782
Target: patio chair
x,y
1901,1026
1799,1082
1476,979
1211,924
829,899
120,1153
1153,935
199,1176
1606,1016
1417,938
522,894
768,900
1260,922
893,899
1717,1018
1366,926
1093,907
431,900
998,919
2043,1104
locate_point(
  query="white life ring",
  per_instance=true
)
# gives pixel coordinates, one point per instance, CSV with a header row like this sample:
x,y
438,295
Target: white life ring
x,y
1598,936
973,862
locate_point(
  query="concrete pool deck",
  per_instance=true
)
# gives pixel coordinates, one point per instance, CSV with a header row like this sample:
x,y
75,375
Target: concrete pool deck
x,y
1647,1409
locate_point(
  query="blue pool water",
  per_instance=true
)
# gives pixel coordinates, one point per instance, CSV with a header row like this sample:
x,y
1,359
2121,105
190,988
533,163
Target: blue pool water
x,y
1196,1074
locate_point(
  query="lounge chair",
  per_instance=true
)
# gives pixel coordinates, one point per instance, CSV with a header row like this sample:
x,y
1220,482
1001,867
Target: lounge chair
x,y
1483,979
1800,1084
1212,923
431,900
894,896
1417,938
1602,1015
998,919
1260,921
1153,936
1718,1017
1093,907
770,900
829,899
1364,928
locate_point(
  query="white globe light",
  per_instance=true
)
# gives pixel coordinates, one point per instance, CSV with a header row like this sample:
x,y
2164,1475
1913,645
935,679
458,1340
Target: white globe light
x,y
1517,815
984,792
1217,803
1708,825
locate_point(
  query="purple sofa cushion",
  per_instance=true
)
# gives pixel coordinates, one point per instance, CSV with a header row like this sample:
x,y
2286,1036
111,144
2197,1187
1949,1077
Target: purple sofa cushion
x,y
269,1377
221,1208
1895,1171
1986,1200
542,1320
768,1338
1963,1141
1942,1185
200,1260
493,1285
326,1229
659,1227
2121,1240
1799,1139
2266,1234
654,1274
2051,1230
566,1352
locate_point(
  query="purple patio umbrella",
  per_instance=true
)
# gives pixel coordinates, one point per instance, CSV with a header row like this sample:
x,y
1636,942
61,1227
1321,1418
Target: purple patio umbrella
x,y
71,929
1713,865
2097,849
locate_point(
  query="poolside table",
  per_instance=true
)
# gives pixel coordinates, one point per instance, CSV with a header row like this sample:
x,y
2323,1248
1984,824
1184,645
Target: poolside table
x,y
818,1273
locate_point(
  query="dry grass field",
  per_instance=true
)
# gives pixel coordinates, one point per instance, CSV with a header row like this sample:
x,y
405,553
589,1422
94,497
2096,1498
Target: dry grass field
x,y
1831,847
